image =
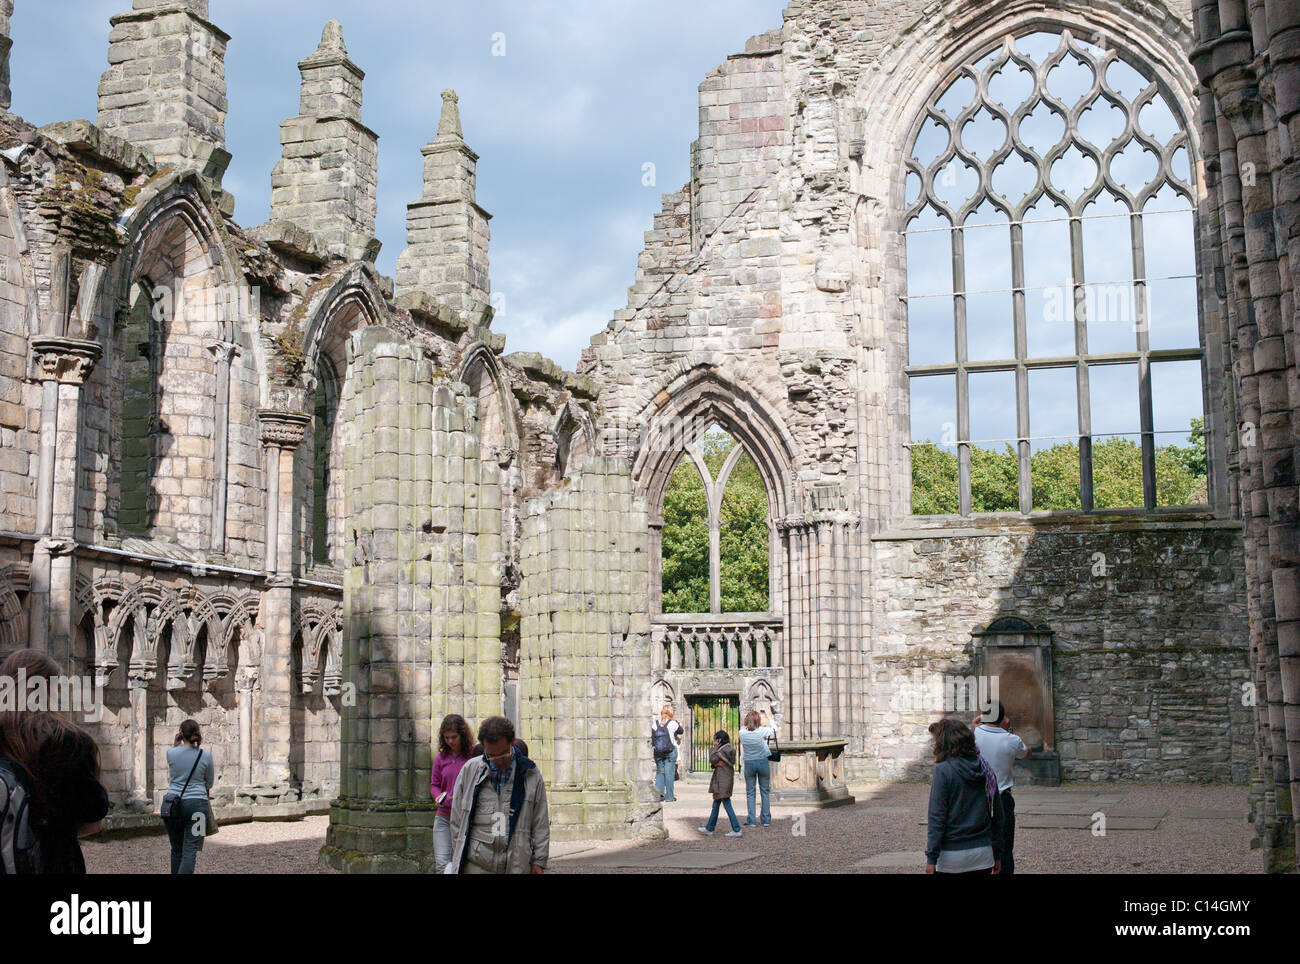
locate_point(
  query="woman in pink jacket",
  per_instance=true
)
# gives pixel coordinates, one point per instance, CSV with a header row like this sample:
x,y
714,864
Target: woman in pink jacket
x,y
454,744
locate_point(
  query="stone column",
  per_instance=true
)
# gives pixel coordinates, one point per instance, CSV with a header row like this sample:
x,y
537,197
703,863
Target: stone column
x,y
223,352
61,365
584,660
421,598
282,432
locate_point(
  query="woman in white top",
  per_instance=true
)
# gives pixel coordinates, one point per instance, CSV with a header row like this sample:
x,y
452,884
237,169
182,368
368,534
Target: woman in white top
x,y
666,738
754,744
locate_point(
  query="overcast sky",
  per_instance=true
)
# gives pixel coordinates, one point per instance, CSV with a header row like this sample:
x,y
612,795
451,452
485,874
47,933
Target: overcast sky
x,y
587,93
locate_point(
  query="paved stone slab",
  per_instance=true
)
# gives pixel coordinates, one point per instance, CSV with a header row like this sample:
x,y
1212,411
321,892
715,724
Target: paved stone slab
x,y
1197,814
898,858
1045,821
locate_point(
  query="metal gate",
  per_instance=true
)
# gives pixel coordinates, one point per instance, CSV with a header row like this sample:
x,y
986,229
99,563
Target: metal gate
x,y
708,715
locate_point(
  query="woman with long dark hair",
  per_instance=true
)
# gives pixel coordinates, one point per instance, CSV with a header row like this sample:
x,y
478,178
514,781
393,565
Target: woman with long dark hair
x,y
455,747
57,763
192,773
965,819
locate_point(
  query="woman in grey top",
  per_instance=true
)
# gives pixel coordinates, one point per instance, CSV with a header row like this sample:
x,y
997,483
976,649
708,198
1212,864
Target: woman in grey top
x,y
191,772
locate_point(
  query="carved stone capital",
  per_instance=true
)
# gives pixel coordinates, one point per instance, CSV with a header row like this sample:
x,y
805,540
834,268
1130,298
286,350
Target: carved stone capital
x,y
283,429
68,361
222,350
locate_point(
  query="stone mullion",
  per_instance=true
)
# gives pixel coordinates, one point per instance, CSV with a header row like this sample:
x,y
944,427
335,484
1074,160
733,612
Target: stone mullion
x,y
1142,316
963,384
1079,313
1023,448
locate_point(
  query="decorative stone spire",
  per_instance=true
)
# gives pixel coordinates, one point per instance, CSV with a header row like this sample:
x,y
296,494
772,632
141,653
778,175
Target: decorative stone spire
x,y
449,123
446,257
326,178
165,88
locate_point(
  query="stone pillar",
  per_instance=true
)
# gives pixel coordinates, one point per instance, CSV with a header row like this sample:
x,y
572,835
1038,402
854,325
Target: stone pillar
x,y
325,180
584,660
282,432
61,365
165,87
223,352
446,231
6,11
421,597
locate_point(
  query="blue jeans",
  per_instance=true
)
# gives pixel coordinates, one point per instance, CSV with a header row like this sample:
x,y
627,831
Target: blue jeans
x,y
186,844
665,772
761,771
713,817
441,843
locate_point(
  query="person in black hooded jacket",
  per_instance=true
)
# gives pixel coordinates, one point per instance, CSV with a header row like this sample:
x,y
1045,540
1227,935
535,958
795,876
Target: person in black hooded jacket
x,y
964,833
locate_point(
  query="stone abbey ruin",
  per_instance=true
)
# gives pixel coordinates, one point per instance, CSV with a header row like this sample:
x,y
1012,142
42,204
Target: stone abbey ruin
x,y
245,478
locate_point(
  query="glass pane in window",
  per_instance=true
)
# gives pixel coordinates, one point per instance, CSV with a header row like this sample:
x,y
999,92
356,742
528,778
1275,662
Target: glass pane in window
x,y
744,540
995,470
1054,427
1179,422
934,449
685,569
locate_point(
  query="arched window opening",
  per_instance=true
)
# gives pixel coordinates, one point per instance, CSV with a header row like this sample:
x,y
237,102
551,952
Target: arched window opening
x,y
327,469
1054,350
716,537
141,352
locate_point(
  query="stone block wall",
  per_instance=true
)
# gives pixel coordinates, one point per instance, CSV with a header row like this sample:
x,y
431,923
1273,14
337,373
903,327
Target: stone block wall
x,y
1149,645
584,676
165,87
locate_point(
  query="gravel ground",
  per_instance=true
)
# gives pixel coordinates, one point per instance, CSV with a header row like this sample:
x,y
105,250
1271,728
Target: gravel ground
x,y
887,819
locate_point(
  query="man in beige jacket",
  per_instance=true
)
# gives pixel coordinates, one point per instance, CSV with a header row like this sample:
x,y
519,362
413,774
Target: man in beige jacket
x,y
499,820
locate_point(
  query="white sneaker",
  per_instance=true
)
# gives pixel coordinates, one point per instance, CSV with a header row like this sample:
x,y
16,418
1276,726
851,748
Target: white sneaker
x,y
705,830
734,833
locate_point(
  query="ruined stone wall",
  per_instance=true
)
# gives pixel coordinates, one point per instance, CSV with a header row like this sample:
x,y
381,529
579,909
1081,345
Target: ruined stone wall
x,y
1148,641
584,675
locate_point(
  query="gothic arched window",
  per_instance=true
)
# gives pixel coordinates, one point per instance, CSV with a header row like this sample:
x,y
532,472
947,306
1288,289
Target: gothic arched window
x,y
716,540
1055,355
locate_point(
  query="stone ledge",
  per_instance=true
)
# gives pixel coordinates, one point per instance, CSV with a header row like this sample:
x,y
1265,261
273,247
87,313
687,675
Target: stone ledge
x,y
285,237
81,136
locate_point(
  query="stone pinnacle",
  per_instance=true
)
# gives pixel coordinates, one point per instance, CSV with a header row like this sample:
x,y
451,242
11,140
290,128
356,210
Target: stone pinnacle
x,y
331,38
449,123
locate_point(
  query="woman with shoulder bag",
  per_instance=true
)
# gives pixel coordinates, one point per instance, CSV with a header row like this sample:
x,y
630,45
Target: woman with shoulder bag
x,y
185,809
756,741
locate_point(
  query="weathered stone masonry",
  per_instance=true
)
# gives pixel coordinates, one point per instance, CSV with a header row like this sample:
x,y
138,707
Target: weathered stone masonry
x,y
245,478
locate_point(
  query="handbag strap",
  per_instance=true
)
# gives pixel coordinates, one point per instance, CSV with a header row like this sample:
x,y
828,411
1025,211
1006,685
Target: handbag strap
x,y
773,740
186,785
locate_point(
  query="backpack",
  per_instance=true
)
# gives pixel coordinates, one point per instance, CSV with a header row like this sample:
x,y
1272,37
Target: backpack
x,y
662,741
20,850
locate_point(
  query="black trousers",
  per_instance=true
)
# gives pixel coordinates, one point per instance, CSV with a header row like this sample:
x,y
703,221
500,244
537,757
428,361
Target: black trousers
x,y
1008,832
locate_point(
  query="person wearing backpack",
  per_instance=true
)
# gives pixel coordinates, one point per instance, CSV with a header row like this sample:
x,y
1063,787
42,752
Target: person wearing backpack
x,y
191,772
666,738
50,793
